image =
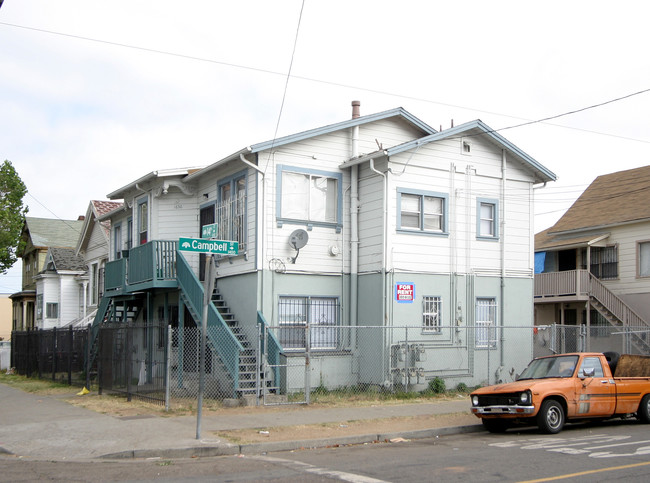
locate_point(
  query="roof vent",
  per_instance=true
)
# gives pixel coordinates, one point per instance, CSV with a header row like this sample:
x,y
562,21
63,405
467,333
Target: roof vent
x,y
356,109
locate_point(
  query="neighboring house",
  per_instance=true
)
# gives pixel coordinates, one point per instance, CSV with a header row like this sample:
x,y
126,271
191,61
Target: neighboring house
x,y
593,265
38,235
93,248
334,232
59,289
5,317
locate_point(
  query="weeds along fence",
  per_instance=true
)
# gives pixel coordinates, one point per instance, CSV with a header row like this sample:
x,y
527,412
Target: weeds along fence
x,y
297,362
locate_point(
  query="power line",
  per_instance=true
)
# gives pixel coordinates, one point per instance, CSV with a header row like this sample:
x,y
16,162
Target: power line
x,y
347,86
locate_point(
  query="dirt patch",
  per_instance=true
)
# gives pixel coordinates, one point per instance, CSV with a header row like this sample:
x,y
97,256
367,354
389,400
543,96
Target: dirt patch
x,y
346,428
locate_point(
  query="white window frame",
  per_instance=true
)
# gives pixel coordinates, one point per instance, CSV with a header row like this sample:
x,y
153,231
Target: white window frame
x,y
143,221
319,206
482,220
643,258
230,210
421,197
486,331
431,314
51,310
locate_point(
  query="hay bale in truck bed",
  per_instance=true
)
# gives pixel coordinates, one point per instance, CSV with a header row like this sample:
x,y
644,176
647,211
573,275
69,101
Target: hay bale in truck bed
x,y
633,366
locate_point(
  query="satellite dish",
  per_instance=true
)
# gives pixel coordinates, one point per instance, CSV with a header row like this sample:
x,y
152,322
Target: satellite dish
x,y
298,239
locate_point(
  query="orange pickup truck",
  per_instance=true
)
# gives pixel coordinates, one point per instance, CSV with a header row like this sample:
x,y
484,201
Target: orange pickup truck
x,y
567,387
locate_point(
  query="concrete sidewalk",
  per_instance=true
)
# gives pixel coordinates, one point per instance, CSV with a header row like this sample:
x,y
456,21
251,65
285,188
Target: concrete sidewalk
x,y
44,427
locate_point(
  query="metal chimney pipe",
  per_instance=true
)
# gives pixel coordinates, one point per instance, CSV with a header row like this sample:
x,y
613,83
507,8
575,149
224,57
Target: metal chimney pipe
x,y
356,109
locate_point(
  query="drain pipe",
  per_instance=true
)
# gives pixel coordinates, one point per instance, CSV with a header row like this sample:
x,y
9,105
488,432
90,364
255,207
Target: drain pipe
x,y
502,235
383,257
354,236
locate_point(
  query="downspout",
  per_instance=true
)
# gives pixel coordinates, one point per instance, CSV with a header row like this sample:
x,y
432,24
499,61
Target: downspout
x,y
383,256
502,236
354,236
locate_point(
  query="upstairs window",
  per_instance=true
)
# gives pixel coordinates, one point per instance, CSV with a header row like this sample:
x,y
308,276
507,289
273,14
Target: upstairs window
x,y
604,262
643,250
143,222
419,211
231,210
117,241
487,217
309,196
52,310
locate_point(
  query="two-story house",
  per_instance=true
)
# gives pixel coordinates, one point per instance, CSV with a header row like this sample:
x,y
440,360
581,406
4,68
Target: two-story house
x,y
38,235
593,265
383,235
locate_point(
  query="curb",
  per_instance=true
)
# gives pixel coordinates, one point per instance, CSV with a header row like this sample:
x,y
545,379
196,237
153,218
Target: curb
x,y
227,449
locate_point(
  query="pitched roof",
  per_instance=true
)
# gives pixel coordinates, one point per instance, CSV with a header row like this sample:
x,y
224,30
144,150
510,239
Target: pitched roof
x,y
319,131
611,199
46,232
476,127
64,259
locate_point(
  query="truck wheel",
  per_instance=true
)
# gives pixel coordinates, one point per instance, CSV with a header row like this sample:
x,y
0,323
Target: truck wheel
x,y
644,409
495,425
550,419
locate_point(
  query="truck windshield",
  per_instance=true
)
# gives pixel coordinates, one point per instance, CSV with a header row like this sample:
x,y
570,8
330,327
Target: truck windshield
x,y
558,366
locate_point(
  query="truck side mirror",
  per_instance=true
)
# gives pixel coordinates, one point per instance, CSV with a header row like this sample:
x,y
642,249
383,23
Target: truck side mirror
x,y
588,372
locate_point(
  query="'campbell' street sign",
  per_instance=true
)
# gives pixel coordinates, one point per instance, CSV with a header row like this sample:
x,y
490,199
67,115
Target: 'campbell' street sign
x,y
219,247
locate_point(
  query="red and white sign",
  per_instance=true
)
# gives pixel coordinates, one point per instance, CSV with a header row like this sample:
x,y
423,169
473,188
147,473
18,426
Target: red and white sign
x,y
404,292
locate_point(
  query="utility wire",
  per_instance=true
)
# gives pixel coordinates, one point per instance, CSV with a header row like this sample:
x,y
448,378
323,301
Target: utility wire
x,y
344,85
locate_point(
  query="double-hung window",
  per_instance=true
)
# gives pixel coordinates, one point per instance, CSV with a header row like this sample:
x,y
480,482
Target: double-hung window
x,y
431,314
643,250
421,211
117,241
487,219
486,319
231,209
309,196
320,313
52,310
143,221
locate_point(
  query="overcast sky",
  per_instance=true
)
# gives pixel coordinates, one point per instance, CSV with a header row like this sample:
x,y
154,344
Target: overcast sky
x,y
96,94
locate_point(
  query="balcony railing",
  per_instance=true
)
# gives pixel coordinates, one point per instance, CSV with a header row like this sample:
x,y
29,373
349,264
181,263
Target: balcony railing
x,y
147,266
570,283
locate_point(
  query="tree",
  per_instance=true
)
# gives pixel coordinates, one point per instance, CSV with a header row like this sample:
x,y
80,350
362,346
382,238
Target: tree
x,y
12,214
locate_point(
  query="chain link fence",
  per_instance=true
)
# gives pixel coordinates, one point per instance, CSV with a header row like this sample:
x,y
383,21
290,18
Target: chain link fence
x,y
160,364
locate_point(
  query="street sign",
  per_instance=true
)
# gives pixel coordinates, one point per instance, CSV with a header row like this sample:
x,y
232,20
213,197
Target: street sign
x,y
218,247
209,231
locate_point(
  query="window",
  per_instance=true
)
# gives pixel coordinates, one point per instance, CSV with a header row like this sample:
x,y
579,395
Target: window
x,y
466,147
431,314
487,214
486,317
143,221
51,310
129,234
589,364
94,284
231,209
117,241
39,307
321,313
309,196
644,258
604,262
420,211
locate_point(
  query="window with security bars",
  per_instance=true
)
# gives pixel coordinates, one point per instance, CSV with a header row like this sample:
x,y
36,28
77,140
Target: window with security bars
x,y
431,313
321,313
231,211
604,262
486,320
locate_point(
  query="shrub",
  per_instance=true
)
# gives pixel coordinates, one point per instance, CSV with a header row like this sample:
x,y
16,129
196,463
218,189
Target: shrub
x,y
437,385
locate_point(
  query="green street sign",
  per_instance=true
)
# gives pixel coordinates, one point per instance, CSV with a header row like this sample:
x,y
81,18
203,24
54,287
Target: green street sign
x,y
219,247
209,231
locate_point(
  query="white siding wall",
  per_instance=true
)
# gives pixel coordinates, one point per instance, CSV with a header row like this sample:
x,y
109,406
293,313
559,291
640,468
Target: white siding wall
x,y
627,237
175,215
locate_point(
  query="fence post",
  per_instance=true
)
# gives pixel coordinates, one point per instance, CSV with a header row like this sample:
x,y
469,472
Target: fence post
x,y
128,358
307,364
259,388
38,354
168,365
70,342
54,354
88,352
99,361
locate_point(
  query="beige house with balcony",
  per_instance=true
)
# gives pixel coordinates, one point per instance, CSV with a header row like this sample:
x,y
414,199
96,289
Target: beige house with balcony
x,y
592,267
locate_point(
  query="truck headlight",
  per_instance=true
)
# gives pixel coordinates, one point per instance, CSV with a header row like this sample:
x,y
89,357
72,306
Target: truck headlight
x,y
525,397
474,400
